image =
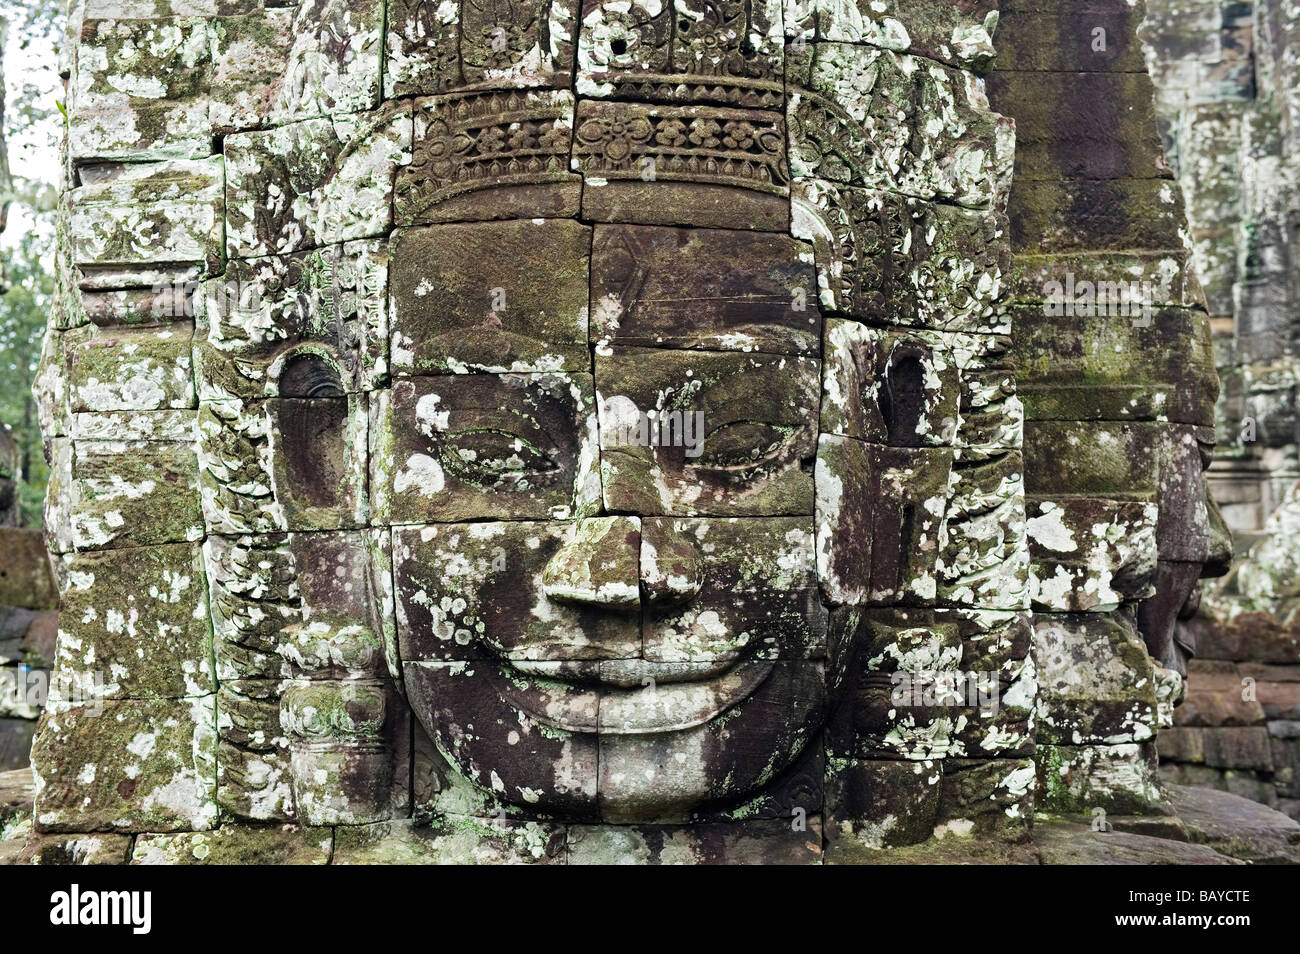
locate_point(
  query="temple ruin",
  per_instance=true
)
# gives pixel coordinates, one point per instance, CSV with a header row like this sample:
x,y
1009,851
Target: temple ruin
x,y
706,431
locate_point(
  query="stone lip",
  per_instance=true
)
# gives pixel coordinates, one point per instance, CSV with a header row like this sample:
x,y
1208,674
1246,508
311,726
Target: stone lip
x,y
627,707
625,673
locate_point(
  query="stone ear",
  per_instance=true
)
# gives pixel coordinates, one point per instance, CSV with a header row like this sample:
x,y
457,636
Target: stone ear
x,y
310,375
312,416
902,399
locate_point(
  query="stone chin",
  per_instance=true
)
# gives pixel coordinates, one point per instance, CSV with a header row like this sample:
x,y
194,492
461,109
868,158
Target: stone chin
x,y
620,740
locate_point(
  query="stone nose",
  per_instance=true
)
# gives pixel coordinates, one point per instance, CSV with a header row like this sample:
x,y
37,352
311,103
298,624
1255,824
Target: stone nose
x,y
1219,561
598,565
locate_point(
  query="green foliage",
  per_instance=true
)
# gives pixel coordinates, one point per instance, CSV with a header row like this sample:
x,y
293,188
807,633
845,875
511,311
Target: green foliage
x,y
34,21
31,115
32,118
24,309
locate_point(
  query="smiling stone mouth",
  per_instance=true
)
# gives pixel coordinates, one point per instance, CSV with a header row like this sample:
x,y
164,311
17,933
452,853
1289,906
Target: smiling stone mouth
x,y
626,673
627,696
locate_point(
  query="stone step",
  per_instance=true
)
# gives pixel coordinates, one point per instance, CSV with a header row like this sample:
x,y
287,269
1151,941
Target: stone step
x,y
1237,826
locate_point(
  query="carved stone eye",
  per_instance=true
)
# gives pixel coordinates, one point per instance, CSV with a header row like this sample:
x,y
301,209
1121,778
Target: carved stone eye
x,y
490,457
744,444
902,400
313,412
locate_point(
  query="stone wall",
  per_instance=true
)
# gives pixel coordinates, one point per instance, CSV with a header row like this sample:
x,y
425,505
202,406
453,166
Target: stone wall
x,y
1116,371
1238,731
27,639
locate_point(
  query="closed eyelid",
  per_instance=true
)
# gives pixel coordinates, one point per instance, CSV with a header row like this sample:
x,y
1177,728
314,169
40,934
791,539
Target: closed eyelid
x,y
491,441
782,436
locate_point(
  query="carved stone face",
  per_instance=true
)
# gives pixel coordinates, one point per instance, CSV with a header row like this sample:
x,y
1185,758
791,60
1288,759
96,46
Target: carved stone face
x,y
631,498
605,574
1193,543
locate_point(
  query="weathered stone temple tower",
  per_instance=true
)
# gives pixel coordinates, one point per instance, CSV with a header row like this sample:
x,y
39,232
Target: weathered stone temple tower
x,y
560,431
1228,76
